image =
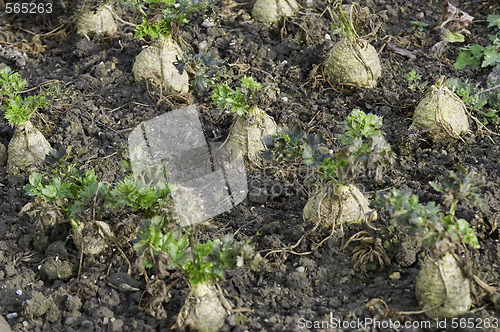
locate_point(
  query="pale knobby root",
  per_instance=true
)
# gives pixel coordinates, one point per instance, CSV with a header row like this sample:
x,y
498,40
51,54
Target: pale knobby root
x,y
3,154
441,288
355,63
442,114
43,214
100,21
335,205
91,237
272,10
248,133
203,311
27,149
155,64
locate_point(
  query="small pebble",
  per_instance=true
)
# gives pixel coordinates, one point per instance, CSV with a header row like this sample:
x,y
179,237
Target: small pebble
x,y
12,315
300,269
207,23
285,99
19,292
202,45
327,36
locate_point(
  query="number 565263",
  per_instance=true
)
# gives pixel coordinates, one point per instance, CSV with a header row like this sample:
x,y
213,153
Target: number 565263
x,y
28,8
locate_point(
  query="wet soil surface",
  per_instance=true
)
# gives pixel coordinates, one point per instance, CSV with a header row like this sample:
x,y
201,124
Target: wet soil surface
x,y
100,104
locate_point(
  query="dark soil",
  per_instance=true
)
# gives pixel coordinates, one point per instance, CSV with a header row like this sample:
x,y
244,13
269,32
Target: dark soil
x,y
101,104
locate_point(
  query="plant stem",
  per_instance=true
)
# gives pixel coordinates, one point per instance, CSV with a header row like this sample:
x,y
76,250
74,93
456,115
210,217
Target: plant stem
x,y
453,207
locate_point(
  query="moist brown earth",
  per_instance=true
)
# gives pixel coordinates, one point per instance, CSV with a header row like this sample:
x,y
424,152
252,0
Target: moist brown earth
x,y
101,104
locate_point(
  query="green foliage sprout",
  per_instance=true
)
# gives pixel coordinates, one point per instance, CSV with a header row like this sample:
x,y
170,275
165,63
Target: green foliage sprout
x,y
432,227
418,25
202,262
161,17
17,110
364,148
11,82
204,68
484,102
476,55
240,99
290,144
414,81
75,192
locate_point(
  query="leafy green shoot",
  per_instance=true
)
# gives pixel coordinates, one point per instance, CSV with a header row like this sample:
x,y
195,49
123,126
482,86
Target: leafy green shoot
x,y
204,68
128,193
240,99
493,21
432,227
11,82
75,191
72,194
485,102
291,144
414,81
458,187
484,56
202,262
161,17
364,148
418,25
17,110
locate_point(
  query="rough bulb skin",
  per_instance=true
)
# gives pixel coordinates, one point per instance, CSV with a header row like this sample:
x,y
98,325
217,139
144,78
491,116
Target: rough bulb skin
x,y
345,205
102,21
156,64
442,282
345,66
268,11
442,114
27,149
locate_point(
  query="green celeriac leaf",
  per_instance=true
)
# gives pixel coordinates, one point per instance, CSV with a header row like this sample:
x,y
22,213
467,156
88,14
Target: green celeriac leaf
x,y
176,248
465,58
467,233
11,82
493,21
452,37
491,113
35,179
49,191
491,56
250,83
